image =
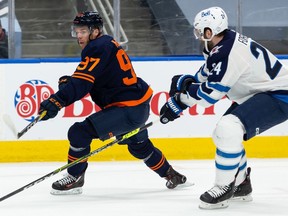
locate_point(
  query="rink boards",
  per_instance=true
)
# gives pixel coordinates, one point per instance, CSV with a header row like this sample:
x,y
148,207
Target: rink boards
x,y
173,148
24,83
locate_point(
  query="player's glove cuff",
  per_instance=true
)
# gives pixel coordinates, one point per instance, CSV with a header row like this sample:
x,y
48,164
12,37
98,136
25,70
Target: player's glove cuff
x,y
52,105
62,82
176,105
172,109
180,84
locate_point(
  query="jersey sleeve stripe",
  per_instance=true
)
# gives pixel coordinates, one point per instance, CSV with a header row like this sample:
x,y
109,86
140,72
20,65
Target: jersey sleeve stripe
x,y
202,72
206,97
196,78
147,95
84,77
83,74
218,87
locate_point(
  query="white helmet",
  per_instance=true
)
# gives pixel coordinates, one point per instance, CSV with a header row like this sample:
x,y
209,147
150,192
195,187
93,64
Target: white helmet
x,y
213,18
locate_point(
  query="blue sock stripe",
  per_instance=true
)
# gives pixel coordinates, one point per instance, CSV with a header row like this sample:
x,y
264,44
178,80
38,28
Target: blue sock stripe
x,y
243,166
229,155
225,167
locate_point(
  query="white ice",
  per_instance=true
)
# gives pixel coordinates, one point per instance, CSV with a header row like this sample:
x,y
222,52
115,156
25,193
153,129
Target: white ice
x,y
131,189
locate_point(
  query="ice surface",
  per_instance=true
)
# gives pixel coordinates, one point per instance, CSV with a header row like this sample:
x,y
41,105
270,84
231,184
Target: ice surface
x,y
131,189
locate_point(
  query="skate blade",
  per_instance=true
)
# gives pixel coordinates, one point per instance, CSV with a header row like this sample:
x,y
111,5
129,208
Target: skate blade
x,y
73,191
247,198
185,185
209,206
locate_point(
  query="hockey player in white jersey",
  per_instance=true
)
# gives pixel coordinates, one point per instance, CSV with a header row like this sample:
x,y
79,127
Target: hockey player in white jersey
x,y
250,76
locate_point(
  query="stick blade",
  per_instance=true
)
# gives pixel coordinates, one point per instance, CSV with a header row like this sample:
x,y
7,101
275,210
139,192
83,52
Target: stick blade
x,y
20,134
9,123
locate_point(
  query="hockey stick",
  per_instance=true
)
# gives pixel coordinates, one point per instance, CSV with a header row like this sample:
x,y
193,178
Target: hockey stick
x,y
124,137
29,126
7,120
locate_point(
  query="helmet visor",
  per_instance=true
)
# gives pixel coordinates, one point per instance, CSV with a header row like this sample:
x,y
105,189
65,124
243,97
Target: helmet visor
x,y
197,33
79,30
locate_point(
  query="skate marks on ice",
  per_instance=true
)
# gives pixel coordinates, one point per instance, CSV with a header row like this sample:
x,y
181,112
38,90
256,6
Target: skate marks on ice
x,y
130,188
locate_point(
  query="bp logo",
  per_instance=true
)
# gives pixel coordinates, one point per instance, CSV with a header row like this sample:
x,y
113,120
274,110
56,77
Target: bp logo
x,y
29,96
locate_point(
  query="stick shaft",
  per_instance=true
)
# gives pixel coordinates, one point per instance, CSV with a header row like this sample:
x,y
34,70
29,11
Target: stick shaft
x,y
96,151
29,126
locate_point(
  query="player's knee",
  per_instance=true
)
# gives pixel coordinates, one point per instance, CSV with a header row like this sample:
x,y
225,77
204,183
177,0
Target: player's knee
x,y
141,150
229,133
78,136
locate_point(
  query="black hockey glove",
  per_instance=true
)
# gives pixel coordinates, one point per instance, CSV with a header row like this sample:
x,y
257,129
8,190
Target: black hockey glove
x,y
52,105
62,82
180,84
172,109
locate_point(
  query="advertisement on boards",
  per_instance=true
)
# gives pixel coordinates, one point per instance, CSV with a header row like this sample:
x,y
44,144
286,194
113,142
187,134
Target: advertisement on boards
x,y
25,85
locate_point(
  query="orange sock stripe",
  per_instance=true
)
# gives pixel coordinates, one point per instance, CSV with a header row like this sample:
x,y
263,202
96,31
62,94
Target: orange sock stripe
x,y
71,159
161,162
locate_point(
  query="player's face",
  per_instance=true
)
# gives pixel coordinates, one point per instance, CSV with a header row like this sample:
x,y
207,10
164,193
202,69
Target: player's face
x,y
202,36
82,34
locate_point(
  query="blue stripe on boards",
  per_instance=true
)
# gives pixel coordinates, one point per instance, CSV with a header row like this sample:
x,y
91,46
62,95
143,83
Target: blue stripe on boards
x,y
143,58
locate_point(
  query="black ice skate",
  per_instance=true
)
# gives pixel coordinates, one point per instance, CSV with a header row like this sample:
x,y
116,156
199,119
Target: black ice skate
x,y
243,191
217,197
68,185
174,178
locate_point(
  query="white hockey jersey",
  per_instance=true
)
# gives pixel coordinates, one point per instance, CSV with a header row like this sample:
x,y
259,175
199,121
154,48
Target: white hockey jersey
x,y
237,67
